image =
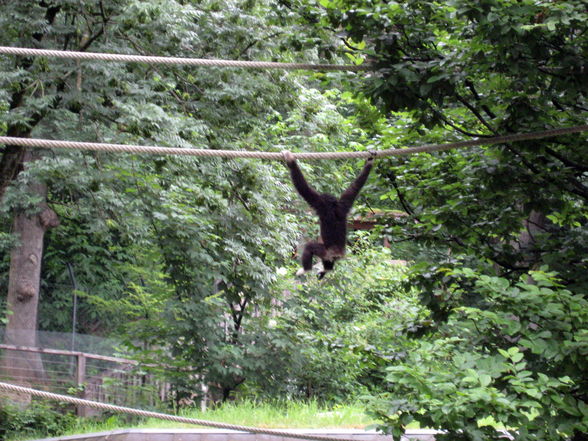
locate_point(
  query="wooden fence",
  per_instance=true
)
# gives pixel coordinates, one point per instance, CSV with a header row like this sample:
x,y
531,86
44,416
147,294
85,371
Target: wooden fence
x,y
90,376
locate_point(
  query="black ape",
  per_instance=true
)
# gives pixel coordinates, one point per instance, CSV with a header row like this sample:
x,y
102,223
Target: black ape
x,y
332,213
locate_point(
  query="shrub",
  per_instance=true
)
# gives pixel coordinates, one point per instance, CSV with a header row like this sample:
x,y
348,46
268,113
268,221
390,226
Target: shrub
x,y
39,418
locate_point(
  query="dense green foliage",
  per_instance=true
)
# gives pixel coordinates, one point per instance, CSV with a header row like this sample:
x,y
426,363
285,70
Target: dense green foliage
x,y
37,418
316,331
516,355
189,246
189,261
504,340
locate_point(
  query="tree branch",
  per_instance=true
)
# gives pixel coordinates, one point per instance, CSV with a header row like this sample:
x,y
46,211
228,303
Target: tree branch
x,y
459,129
405,204
476,113
575,187
485,108
566,161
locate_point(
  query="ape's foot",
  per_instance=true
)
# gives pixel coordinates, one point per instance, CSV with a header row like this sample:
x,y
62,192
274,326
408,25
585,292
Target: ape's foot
x,y
301,272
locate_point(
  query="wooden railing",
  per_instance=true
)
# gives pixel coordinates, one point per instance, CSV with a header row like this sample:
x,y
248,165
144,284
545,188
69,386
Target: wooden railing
x,y
96,377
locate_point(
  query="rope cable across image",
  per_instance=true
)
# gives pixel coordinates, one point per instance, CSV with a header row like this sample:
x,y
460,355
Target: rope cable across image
x,y
158,150
148,59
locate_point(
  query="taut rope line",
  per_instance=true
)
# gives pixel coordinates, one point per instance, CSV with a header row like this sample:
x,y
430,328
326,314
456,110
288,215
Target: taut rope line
x,y
144,413
27,52
156,150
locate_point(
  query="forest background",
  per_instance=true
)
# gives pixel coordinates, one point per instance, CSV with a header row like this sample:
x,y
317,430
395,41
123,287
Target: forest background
x,y
190,263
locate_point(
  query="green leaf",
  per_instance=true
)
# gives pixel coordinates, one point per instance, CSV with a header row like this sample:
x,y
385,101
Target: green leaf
x,y
485,380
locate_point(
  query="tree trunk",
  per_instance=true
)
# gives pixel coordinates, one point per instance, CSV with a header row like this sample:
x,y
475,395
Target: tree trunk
x,y
526,246
23,287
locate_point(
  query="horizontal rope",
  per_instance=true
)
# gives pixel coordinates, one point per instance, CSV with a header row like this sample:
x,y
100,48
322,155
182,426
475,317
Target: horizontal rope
x,y
27,52
104,147
162,416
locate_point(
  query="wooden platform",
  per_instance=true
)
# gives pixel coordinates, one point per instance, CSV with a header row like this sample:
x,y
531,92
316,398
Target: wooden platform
x,y
226,435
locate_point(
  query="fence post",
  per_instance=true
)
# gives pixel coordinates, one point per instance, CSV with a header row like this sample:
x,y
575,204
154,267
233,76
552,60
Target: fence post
x,y
80,382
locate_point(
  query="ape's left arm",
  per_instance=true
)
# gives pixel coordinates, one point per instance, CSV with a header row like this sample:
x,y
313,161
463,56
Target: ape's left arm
x,y
305,190
352,191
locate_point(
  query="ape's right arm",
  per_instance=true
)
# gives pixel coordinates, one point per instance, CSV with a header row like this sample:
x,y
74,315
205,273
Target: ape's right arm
x,y
305,190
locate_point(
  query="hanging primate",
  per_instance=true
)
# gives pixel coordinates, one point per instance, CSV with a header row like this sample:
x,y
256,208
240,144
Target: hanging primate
x,y
332,213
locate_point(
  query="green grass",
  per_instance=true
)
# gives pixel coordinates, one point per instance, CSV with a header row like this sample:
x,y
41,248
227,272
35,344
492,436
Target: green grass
x,y
281,415
292,415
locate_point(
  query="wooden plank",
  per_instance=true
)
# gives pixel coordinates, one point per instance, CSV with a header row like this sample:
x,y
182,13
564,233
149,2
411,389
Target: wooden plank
x,y
68,353
82,411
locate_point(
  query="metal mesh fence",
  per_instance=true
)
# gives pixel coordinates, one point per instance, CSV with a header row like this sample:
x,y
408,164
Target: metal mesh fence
x,y
84,365
62,340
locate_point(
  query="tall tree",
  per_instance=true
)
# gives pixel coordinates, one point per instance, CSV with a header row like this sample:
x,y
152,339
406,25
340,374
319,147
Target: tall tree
x,y
207,228
29,225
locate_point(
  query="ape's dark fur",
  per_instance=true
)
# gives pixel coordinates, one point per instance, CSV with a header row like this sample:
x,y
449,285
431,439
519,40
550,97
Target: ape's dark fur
x,y
332,213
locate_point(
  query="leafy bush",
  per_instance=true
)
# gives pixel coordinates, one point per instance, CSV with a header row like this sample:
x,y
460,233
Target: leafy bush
x,y
38,418
329,339
516,360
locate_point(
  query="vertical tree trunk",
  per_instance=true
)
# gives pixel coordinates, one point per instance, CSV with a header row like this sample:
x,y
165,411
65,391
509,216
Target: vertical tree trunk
x,y
25,259
534,225
23,286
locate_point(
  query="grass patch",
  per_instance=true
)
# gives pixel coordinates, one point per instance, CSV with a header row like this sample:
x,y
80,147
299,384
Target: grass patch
x,y
291,415
310,415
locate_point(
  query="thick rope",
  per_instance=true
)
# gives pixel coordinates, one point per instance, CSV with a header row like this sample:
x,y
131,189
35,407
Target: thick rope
x,y
27,52
46,143
162,416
